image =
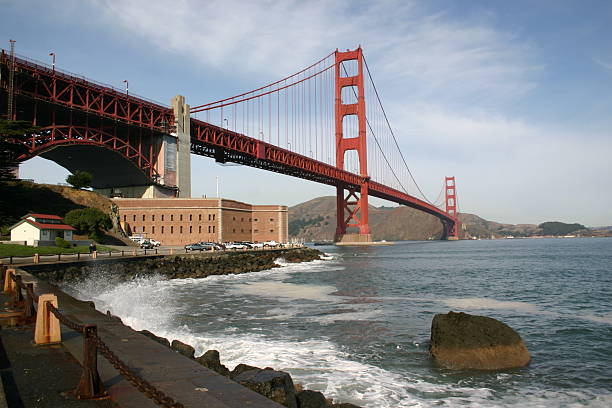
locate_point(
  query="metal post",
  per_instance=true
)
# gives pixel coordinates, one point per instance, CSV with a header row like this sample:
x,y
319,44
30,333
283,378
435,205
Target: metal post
x,y
29,304
90,386
18,299
59,257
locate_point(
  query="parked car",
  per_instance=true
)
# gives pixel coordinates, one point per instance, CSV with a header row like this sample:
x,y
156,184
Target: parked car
x,y
214,245
235,245
271,244
147,245
257,244
195,247
154,242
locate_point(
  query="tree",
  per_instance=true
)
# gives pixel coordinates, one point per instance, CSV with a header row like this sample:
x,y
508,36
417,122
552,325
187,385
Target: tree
x,y
80,179
90,221
12,135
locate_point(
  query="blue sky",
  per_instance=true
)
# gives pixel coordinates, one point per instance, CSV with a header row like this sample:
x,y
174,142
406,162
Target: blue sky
x,y
513,98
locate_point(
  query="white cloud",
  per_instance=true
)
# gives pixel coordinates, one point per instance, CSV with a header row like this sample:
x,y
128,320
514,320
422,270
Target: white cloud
x,y
604,64
426,55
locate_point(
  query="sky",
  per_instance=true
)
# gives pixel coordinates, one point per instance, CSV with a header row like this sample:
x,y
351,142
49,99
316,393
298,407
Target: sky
x,y
512,98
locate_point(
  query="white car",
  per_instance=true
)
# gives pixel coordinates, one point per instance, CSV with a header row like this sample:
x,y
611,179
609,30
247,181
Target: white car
x,y
154,242
235,246
257,244
271,244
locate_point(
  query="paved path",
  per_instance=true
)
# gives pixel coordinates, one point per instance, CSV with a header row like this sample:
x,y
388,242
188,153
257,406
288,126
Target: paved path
x,y
179,377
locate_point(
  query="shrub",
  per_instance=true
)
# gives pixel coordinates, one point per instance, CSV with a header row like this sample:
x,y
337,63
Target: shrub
x,y
90,221
80,179
62,243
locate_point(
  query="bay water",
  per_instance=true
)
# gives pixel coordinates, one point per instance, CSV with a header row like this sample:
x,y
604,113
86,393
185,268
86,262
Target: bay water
x,y
356,324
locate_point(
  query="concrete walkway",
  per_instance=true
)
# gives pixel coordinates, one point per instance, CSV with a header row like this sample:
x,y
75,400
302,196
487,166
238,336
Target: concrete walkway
x,y
179,377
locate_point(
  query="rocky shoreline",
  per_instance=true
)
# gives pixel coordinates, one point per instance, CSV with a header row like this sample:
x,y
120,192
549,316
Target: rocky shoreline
x,y
275,385
175,266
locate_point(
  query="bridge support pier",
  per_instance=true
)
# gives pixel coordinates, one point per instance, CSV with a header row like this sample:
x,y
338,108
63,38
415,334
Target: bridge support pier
x,y
182,122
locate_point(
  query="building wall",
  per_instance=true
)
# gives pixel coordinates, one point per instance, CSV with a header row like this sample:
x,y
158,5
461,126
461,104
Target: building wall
x,y
25,232
181,221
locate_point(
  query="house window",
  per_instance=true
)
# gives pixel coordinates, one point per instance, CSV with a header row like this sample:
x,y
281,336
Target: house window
x,y
241,230
271,219
124,218
213,217
256,230
200,217
213,228
271,230
255,220
234,230
233,218
209,217
242,219
143,228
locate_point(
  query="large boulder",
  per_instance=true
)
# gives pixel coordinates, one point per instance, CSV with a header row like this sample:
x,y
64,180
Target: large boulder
x,y
275,385
464,341
211,360
310,399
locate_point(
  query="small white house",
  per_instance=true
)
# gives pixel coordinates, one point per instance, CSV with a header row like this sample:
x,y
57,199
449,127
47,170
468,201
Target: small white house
x,y
41,229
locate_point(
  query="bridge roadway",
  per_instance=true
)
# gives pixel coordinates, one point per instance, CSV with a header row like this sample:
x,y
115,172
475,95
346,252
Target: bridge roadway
x,y
36,82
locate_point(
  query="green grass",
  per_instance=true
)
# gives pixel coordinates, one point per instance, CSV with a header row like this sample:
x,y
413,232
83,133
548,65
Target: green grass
x,y
22,250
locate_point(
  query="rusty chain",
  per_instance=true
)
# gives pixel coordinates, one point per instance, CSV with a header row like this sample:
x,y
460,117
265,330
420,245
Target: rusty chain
x,y
143,386
24,287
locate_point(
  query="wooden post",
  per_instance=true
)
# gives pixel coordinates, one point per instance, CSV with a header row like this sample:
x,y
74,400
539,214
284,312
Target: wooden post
x,y
36,258
9,285
94,255
47,325
18,297
90,386
171,251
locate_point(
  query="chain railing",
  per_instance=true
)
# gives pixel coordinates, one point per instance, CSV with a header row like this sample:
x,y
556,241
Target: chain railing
x,y
47,331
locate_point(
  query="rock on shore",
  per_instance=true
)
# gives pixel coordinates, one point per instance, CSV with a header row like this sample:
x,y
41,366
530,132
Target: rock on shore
x,y
464,341
176,266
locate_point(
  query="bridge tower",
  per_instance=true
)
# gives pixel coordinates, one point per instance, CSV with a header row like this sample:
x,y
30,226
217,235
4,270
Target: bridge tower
x,y
452,230
351,201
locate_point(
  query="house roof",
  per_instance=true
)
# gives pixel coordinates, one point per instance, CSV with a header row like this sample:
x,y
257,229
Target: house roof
x,y
45,226
48,216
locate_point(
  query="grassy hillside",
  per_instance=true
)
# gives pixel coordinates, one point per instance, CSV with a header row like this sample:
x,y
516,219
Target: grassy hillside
x,y
315,220
18,198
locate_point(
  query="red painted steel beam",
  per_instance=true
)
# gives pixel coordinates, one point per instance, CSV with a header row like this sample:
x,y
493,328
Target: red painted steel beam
x,y
43,83
248,151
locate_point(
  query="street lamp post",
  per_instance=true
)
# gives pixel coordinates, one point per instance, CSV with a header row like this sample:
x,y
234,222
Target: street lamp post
x,y
127,87
52,54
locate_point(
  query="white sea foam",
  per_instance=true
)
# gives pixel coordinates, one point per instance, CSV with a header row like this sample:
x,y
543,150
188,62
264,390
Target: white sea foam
x,y
286,291
318,364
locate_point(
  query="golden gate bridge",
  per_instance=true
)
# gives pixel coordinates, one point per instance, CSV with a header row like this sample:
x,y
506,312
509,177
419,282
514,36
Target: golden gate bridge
x,y
326,123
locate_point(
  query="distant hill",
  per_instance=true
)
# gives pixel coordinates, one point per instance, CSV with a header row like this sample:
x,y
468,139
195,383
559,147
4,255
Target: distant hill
x,y
315,220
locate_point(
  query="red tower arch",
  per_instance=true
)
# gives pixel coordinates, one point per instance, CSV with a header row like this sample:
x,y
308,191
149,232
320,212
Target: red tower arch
x,y
451,207
352,201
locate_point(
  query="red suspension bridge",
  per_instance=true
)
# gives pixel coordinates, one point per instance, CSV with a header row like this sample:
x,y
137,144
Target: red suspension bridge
x,y
325,123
